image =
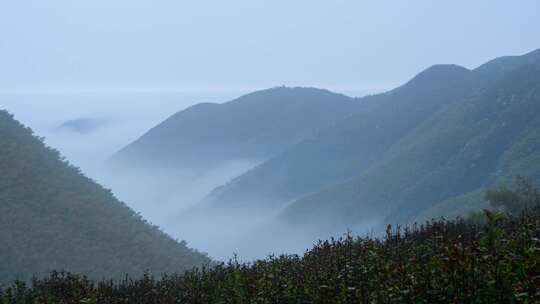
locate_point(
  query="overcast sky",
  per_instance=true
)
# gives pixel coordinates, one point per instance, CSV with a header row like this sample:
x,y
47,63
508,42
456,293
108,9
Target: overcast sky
x,y
238,45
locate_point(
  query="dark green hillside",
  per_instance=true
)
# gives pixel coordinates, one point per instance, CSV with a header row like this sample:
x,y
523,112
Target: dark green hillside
x,y
475,143
351,145
441,262
255,126
52,217
446,133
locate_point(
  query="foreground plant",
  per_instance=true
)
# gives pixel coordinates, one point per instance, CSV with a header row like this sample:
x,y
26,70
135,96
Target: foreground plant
x,y
496,260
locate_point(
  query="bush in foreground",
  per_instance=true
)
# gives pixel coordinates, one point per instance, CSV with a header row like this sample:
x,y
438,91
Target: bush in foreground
x,y
441,262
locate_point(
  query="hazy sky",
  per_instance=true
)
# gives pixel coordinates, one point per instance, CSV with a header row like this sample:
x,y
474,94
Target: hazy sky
x,y
238,45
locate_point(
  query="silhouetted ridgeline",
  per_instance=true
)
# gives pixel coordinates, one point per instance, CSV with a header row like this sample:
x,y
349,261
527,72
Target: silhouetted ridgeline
x,y
52,217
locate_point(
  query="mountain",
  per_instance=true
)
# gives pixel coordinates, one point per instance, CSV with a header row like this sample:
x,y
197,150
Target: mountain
x,y
253,127
348,147
52,217
447,133
473,144
83,125
441,262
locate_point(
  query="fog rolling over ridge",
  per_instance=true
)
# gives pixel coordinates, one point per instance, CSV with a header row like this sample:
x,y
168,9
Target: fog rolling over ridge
x,y
119,117
388,158
207,145
274,170
269,151
54,217
161,193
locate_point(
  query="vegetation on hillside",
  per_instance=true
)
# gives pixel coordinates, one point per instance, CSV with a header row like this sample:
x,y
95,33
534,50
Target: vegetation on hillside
x,y
350,146
469,145
255,126
448,134
52,217
457,261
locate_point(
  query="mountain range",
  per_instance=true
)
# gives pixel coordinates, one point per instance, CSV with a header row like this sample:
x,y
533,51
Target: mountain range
x,y
325,162
254,127
426,148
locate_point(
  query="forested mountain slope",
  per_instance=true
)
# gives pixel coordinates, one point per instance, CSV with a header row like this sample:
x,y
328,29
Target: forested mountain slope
x,y
351,145
52,217
255,127
445,133
472,144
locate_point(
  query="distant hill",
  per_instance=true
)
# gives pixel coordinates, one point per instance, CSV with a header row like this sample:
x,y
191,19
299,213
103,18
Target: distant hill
x,y
444,164
52,217
83,125
351,145
447,132
253,127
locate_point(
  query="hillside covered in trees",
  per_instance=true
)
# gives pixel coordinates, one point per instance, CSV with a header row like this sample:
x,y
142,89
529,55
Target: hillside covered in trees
x,y
472,144
426,148
255,126
493,258
52,217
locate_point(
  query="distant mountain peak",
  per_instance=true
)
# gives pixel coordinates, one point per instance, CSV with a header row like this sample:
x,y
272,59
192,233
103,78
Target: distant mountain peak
x,y
440,74
444,68
254,126
284,88
277,93
83,125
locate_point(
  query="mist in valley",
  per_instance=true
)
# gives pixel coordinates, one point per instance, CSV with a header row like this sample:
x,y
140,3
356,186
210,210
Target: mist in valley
x,y
269,151
165,197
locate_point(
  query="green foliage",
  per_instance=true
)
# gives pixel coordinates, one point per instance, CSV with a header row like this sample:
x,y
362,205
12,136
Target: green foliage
x,y
255,126
520,196
468,145
440,262
441,138
463,205
523,195
53,217
351,145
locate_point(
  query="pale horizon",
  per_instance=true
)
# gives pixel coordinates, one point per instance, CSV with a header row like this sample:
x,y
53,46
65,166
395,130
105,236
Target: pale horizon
x,y
242,46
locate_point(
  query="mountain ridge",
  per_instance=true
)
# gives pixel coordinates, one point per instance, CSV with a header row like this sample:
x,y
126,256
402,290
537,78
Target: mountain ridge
x,y
254,126
293,179
439,183
337,138
52,217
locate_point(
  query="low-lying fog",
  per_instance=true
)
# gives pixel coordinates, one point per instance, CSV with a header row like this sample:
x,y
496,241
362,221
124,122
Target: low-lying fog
x,y
126,116
88,127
